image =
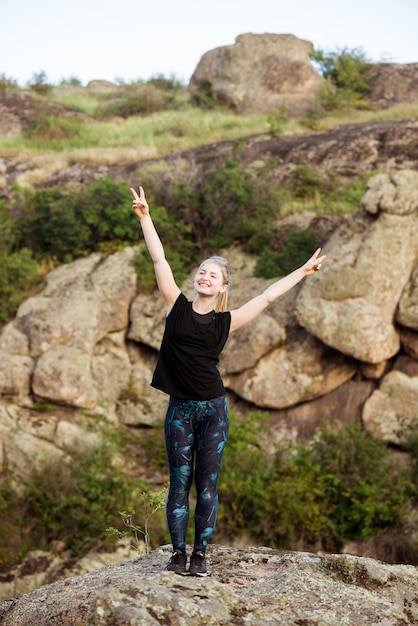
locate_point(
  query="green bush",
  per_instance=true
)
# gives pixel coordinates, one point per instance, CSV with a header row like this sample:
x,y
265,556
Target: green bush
x,y
348,78
40,84
298,248
7,83
228,206
343,486
49,128
19,272
72,500
66,224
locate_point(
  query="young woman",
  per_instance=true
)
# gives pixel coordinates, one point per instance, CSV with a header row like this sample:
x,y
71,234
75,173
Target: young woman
x,y
196,423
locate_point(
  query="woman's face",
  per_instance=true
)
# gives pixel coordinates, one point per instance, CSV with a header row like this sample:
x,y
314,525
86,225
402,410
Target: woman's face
x,y
209,280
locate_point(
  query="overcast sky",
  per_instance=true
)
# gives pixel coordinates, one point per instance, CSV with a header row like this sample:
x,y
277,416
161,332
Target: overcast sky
x,y
134,39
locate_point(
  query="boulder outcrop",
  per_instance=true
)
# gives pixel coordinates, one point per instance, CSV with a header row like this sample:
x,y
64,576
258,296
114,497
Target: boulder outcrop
x,y
88,342
253,586
351,306
394,83
260,74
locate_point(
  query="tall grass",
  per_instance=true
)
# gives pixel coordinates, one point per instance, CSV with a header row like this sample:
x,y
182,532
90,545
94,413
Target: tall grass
x,y
164,132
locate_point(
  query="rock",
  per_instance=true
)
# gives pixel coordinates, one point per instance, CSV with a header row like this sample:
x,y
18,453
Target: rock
x,y
23,446
394,83
407,313
41,568
253,586
62,375
300,423
242,351
15,110
101,86
260,74
15,373
395,193
409,341
147,320
351,303
391,411
299,371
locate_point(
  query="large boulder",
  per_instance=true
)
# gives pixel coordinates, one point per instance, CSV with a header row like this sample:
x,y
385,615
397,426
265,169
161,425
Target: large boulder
x,y
391,412
393,83
298,371
253,586
351,304
260,74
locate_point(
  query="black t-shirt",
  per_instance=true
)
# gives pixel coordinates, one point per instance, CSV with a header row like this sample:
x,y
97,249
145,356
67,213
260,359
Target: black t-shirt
x,y
189,354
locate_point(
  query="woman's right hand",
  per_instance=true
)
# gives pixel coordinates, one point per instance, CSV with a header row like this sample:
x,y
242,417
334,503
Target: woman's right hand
x,y
139,203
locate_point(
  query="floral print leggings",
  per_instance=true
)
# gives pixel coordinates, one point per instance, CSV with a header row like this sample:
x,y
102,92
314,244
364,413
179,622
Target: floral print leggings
x,y
195,433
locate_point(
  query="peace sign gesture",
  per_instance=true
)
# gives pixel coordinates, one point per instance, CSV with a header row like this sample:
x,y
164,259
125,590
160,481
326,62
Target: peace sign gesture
x,y
314,263
139,203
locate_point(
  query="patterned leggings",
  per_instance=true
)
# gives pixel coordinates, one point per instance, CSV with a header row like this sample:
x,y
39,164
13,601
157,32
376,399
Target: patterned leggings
x,y
195,433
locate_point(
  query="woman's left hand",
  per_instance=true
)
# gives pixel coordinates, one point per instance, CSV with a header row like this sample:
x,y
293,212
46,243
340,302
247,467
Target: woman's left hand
x,y
314,263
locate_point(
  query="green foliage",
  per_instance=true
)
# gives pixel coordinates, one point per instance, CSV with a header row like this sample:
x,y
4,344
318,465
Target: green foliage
x,y
50,128
66,224
226,207
73,500
7,83
243,477
204,97
343,486
73,81
307,182
12,521
151,502
278,121
39,83
348,78
19,272
144,98
298,248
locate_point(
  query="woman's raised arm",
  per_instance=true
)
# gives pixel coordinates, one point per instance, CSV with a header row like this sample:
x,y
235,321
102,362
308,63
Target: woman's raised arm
x,y
163,273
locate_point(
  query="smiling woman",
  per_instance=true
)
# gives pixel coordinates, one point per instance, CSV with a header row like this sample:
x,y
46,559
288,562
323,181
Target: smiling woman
x,y
196,423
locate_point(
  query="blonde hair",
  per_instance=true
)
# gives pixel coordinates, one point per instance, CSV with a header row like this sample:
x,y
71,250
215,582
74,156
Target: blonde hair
x,y
222,301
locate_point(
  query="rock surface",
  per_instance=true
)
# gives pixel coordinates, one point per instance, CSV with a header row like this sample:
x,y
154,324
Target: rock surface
x,y
351,305
260,74
252,586
87,342
393,83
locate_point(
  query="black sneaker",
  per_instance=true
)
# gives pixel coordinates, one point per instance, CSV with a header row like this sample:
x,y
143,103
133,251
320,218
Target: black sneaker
x,y
177,563
198,564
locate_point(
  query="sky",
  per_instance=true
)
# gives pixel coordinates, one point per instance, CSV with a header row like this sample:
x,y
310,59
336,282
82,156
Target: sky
x,y
130,40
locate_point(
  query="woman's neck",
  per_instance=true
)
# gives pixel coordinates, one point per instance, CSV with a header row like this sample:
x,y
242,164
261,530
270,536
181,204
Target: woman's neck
x,y
203,305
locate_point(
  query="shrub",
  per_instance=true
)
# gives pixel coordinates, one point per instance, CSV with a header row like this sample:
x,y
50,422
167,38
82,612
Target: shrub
x,y
39,83
277,121
204,97
8,83
42,125
343,486
68,224
298,247
348,78
19,272
72,500
226,207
